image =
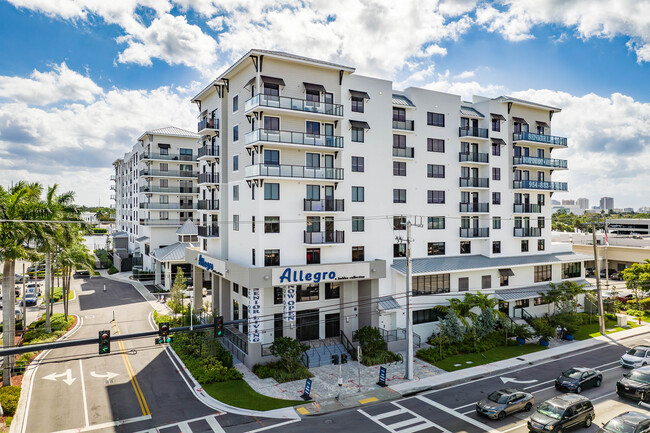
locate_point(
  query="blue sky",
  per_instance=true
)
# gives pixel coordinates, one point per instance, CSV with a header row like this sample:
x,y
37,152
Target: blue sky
x,y
107,71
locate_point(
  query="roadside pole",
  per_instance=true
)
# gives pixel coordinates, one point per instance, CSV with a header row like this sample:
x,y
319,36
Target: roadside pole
x,y
25,301
601,313
606,253
359,365
409,331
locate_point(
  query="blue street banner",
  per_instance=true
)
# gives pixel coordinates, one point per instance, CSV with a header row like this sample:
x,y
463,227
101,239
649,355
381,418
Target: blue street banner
x,y
305,394
382,376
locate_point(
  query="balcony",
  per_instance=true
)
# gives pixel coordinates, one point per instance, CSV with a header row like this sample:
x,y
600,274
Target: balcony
x,y
113,187
327,205
526,208
474,182
294,138
404,125
158,222
540,162
112,196
404,152
171,206
211,178
150,172
207,126
112,177
208,205
550,140
167,157
169,190
208,152
475,232
209,231
295,171
540,185
481,158
474,207
527,232
328,237
473,132
293,104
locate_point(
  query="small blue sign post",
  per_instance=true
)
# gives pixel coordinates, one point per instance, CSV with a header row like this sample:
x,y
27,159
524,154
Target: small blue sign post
x,y
305,395
382,377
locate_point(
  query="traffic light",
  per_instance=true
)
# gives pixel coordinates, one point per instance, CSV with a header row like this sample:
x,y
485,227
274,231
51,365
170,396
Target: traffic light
x,y
162,340
218,326
344,358
104,342
335,359
163,329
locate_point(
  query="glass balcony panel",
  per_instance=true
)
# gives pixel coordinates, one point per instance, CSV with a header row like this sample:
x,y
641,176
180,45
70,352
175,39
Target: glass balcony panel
x,y
540,184
544,162
539,138
293,104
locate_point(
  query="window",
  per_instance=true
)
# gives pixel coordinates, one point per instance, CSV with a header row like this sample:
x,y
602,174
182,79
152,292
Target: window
x,y
312,128
164,150
357,164
399,168
399,141
399,250
540,245
271,257
164,215
313,256
540,199
272,224
313,224
164,166
430,284
235,103
435,145
496,173
312,95
399,223
272,123
571,270
435,119
307,293
312,160
434,170
522,303
357,135
332,290
496,125
358,254
277,295
463,284
465,247
271,157
313,192
435,197
253,224
496,149
235,163
399,196
427,316
235,223
538,301
524,246
399,114
436,248
271,89
357,194
541,222
496,247
235,310
504,280
496,198
486,282
235,192
496,222
253,257
235,133
358,224
436,223
357,104
271,191
235,287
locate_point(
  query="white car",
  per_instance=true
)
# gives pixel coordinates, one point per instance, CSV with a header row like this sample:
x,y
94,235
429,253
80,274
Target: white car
x,y
638,356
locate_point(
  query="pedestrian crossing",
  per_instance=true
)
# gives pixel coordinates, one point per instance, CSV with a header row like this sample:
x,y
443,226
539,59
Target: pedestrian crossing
x,y
403,420
206,424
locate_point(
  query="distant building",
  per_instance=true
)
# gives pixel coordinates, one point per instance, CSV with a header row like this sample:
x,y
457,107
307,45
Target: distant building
x,y
628,210
555,202
629,226
644,209
568,202
89,217
607,203
583,203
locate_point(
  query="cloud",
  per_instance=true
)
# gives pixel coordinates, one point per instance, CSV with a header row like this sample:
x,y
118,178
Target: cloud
x,y
465,75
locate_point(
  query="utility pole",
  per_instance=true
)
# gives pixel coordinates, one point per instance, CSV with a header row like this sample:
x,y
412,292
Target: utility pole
x,y
601,315
25,301
409,330
606,253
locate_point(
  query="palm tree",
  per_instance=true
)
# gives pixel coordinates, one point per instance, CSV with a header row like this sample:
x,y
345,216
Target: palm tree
x,y
72,257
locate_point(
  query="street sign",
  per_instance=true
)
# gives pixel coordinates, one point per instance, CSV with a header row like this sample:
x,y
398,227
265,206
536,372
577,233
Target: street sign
x,y
305,394
382,377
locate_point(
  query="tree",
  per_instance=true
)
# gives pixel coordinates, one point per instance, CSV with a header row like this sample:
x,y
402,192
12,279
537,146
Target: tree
x,y
371,341
451,327
289,351
73,257
637,279
563,296
176,292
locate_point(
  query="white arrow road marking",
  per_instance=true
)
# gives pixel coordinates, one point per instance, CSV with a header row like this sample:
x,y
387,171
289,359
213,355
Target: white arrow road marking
x,y
513,380
68,377
107,376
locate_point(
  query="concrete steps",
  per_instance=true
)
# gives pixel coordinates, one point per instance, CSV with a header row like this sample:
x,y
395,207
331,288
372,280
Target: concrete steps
x,y
322,355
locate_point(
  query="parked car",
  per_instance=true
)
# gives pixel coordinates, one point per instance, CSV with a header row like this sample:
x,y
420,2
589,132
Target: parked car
x,y
18,278
30,299
82,273
590,272
577,379
189,292
635,384
638,356
561,413
632,422
505,402
625,298
19,314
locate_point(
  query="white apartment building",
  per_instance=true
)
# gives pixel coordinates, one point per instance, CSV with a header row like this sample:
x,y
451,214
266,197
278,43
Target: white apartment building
x,y
309,173
155,193
583,203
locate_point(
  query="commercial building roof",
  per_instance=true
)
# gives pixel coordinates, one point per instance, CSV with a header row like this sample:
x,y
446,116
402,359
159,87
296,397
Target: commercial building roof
x,y
188,228
170,253
402,100
170,131
525,292
470,112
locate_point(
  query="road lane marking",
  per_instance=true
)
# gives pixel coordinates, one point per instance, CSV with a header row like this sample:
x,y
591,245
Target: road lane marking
x,y
416,423
107,376
107,424
133,379
83,392
210,419
69,380
214,425
457,414
275,425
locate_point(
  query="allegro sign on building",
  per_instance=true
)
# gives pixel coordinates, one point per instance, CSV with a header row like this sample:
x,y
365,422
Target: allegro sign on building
x,y
320,274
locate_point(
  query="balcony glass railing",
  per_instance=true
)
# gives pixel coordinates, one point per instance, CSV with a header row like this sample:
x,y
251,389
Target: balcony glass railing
x,y
539,138
209,231
527,232
159,222
291,137
405,125
208,151
113,187
168,157
526,208
170,190
284,170
474,207
327,237
168,173
208,124
473,157
112,177
544,162
208,205
540,184
112,196
473,132
483,232
404,152
294,104
327,205
178,206
474,182
208,178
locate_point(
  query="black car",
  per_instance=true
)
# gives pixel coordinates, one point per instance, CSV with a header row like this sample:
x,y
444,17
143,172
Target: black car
x,y
630,422
577,379
562,413
635,384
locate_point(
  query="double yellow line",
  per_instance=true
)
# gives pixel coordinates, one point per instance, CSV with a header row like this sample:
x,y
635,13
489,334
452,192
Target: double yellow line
x,y
132,378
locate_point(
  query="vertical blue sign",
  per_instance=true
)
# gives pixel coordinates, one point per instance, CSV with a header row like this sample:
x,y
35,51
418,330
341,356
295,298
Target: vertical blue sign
x,y
305,394
382,376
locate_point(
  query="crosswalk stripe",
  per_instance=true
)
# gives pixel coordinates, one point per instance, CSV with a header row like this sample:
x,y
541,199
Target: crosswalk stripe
x,y
214,425
411,425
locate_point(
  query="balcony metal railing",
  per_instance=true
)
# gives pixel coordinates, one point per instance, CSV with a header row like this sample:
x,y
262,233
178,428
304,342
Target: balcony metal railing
x,y
209,231
261,100
539,138
169,157
474,207
544,162
526,208
208,205
113,187
176,206
326,205
208,151
112,177
473,157
168,173
405,125
208,178
298,171
292,137
474,182
112,196
208,123
540,184
525,232
473,132
404,152
170,190
482,232
327,237
159,222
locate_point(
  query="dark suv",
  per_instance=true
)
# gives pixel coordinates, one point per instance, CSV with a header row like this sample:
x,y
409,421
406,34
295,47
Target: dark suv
x,y
635,384
562,413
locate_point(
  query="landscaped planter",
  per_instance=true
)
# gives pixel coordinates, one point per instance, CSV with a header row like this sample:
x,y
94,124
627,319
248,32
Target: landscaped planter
x,y
568,337
544,342
521,341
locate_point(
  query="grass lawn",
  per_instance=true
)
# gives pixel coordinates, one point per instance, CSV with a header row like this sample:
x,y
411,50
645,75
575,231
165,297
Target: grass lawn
x,y
492,355
591,330
239,393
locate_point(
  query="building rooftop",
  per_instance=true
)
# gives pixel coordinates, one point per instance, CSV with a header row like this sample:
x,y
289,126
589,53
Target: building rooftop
x,y
402,100
170,131
527,103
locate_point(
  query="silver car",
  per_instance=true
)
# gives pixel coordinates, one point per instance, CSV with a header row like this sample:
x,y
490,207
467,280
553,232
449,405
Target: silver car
x,y
504,402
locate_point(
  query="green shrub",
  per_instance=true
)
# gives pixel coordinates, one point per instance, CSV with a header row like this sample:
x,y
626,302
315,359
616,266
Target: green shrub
x,y
644,304
277,371
36,331
206,359
636,313
8,420
570,321
112,270
9,396
99,230
610,316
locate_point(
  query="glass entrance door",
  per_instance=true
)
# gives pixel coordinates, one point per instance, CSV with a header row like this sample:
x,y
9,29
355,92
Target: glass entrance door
x,y
332,325
307,325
